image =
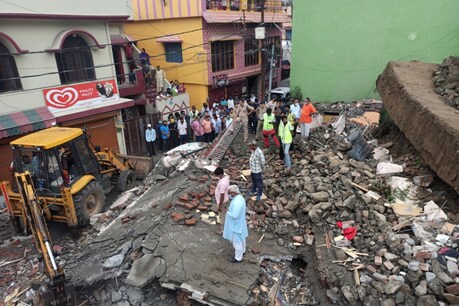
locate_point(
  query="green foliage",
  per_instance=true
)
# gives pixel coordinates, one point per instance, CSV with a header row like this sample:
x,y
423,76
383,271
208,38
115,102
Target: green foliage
x,y
390,194
296,93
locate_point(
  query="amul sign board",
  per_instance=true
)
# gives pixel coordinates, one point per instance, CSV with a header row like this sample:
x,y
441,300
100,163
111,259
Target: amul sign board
x,y
80,95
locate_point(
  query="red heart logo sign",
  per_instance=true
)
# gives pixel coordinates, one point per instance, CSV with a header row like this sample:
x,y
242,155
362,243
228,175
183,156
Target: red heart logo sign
x,y
62,98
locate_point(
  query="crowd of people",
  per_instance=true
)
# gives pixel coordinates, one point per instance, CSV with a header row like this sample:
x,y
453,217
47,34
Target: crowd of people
x,y
274,121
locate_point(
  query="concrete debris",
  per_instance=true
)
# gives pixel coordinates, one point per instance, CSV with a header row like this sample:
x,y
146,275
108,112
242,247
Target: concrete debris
x,y
169,232
446,81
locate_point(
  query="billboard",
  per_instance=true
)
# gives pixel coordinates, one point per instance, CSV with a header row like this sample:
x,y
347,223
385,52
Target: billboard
x,y
79,95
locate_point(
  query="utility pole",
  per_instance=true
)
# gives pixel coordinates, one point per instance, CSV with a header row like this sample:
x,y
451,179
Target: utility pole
x,y
271,70
261,44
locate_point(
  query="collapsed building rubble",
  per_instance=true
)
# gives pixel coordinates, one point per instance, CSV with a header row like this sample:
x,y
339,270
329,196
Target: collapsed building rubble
x,y
351,227
446,81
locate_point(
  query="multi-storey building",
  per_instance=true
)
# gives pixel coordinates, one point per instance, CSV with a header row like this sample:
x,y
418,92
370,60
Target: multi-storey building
x,y
209,46
64,64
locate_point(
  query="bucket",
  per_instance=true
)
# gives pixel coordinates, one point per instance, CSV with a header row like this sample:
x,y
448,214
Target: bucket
x,y
360,149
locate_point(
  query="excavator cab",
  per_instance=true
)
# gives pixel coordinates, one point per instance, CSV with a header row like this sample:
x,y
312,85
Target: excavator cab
x,y
71,179
55,168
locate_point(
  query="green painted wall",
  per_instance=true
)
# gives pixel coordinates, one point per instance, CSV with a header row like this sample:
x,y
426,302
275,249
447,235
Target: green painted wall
x,y
339,47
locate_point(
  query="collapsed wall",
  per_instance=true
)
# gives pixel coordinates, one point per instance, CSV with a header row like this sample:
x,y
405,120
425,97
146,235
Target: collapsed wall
x,y
407,91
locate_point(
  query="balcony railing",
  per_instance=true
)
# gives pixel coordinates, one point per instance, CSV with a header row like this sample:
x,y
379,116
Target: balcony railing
x,y
252,6
134,84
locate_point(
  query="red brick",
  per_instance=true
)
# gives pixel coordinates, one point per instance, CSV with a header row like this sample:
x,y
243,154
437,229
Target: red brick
x,y
184,198
378,260
125,219
201,195
189,206
174,214
180,204
453,289
389,265
191,221
424,266
255,250
208,199
179,218
194,194
167,206
202,207
202,180
206,221
423,255
371,269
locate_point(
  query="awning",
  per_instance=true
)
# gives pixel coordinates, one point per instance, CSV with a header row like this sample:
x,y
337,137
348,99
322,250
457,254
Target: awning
x,y
224,37
119,39
170,39
26,121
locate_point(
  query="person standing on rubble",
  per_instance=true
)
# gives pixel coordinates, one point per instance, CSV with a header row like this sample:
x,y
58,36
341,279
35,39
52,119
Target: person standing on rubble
x,y
242,112
285,134
307,113
268,128
221,193
235,229
257,163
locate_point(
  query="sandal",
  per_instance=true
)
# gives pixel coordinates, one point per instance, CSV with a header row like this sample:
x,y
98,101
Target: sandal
x,y
233,260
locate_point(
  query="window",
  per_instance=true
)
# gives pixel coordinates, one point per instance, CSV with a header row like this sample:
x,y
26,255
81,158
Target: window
x,y
251,52
173,52
75,61
9,77
222,55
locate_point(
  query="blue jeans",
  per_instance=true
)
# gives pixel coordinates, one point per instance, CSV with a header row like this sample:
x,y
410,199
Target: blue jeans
x,y
257,183
287,160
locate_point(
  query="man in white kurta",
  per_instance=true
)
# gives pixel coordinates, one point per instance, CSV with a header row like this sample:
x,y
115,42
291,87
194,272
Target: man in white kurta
x,y
235,229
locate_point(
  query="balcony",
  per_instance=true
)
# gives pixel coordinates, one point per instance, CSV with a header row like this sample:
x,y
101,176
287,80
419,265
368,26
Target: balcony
x,y
132,86
236,5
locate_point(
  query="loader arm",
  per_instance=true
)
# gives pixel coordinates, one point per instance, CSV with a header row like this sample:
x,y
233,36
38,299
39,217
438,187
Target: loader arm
x,y
59,292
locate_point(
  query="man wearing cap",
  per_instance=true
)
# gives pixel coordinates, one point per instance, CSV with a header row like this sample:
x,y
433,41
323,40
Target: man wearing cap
x,y
235,229
242,112
150,137
257,163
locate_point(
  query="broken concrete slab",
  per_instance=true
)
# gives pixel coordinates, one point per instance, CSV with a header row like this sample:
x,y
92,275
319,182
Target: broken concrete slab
x,y
408,93
145,269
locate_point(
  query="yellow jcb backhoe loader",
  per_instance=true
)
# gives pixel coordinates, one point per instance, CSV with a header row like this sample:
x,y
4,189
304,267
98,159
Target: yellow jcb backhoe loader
x,y
71,179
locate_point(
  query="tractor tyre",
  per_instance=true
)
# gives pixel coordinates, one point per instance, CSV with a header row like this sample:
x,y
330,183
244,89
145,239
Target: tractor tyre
x,y
126,180
89,201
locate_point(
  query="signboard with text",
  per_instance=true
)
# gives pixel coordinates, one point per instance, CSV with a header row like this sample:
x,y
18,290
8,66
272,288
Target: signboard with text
x,y
80,95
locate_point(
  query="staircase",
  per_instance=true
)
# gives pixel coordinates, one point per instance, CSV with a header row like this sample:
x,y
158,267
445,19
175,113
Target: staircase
x,y
221,144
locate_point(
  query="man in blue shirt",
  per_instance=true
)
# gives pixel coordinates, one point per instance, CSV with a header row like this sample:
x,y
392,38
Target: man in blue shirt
x,y
235,229
165,134
150,137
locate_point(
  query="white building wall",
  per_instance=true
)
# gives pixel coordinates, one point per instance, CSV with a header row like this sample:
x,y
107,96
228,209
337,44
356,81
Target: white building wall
x,y
39,35
66,7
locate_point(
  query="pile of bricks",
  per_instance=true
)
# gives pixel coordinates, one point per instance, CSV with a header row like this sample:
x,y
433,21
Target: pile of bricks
x,y
197,205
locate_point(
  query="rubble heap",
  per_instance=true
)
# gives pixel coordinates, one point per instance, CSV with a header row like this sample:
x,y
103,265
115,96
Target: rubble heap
x,y
446,81
393,260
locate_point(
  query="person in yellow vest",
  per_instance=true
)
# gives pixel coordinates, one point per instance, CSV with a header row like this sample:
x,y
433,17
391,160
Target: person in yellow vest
x,y
261,110
268,128
293,120
285,134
